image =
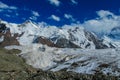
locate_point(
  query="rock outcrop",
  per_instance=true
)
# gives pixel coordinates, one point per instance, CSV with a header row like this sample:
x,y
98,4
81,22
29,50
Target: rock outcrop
x,y
8,39
44,41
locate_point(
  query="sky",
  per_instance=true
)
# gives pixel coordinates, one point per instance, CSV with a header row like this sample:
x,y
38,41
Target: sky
x,y
56,12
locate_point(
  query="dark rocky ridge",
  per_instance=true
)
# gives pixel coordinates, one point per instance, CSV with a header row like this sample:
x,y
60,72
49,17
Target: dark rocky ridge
x,y
44,41
61,43
64,43
98,43
8,38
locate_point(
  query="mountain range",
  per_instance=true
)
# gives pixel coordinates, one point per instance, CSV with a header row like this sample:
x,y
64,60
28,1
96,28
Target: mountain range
x,y
68,36
67,48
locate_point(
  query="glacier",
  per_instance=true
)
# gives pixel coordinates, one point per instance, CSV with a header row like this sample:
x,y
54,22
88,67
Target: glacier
x,y
86,61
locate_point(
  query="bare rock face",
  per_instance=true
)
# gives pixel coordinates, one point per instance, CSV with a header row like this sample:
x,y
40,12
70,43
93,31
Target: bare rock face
x,y
44,41
8,38
61,43
64,43
98,43
3,28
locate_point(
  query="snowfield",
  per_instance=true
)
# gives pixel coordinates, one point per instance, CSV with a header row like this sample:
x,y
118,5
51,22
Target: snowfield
x,y
86,61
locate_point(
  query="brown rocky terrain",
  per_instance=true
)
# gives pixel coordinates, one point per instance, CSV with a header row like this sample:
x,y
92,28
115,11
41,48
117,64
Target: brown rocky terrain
x,y
8,38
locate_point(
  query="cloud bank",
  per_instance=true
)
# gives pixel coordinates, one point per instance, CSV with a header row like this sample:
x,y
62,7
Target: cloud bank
x,y
54,17
34,16
70,17
103,24
5,6
55,2
35,13
74,2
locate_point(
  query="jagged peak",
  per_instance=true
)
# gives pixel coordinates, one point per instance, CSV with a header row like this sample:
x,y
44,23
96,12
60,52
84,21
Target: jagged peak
x,y
28,23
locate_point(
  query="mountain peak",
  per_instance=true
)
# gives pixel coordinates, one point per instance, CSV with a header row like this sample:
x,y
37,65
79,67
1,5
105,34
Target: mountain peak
x,y
28,21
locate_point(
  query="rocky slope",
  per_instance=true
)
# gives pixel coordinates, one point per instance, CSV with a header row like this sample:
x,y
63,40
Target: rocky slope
x,y
13,67
6,37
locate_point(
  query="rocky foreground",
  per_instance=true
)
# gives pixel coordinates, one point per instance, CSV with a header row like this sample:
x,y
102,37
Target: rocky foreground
x,y
12,67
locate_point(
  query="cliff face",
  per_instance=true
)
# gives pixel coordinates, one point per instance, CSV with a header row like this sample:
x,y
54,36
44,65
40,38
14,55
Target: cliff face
x,y
8,39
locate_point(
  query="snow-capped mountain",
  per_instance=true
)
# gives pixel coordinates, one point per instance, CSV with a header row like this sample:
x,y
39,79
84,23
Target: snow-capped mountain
x,y
68,36
69,48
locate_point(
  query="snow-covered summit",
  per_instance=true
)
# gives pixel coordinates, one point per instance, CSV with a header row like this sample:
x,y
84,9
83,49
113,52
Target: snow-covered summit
x,y
72,36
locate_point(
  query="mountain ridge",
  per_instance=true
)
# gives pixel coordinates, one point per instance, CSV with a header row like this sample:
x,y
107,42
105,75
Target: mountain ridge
x,y
68,36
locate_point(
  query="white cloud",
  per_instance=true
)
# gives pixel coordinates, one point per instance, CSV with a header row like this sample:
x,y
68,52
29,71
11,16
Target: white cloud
x,y
5,6
103,13
17,14
56,18
10,11
7,15
68,16
55,2
74,2
2,5
35,13
33,18
23,18
1,10
103,24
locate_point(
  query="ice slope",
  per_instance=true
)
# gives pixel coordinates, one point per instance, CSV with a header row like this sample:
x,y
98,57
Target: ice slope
x,y
86,61
111,42
76,34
